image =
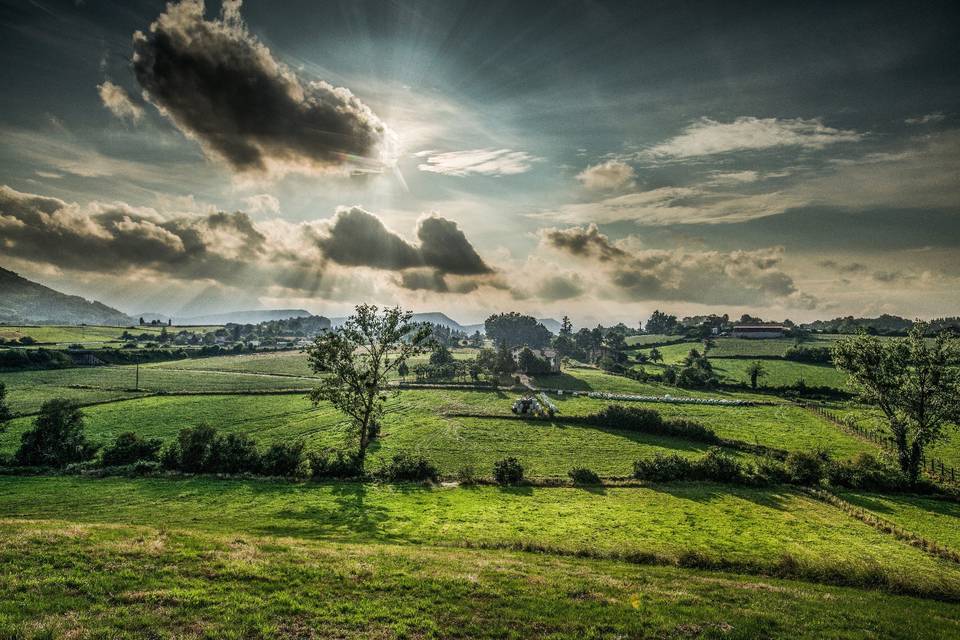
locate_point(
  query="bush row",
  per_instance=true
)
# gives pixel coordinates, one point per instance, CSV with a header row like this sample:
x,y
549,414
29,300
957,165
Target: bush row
x,y
618,416
811,469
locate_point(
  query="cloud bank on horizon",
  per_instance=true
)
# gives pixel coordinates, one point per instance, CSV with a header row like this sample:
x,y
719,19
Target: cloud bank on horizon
x,y
280,157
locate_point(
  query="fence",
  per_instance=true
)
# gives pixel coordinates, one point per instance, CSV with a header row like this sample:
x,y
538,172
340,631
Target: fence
x,y
932,465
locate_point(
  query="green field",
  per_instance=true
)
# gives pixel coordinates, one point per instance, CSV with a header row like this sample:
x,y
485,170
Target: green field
x,y
119,580
781,373
947,450
748,530
417,425
648,338
27,390
69,334
934,519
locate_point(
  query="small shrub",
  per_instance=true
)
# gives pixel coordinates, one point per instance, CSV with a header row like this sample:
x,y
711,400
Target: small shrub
x,y
663,468
333,463
804,468
237,453
583,475
508,471
467,475
285,459
408,467
769,470
129,448
719,466
865,471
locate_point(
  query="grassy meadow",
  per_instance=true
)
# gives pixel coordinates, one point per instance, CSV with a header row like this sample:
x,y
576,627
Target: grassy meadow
x,y
157,581
742,529
200,557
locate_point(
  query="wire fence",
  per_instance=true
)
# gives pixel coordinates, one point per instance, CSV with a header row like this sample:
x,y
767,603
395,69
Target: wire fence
x,y
932,465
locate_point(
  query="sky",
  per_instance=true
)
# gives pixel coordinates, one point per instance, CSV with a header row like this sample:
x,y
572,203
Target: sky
x,y
592,159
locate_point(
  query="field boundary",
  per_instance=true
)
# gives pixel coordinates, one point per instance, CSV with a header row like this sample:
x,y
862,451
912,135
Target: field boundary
x,y
885,526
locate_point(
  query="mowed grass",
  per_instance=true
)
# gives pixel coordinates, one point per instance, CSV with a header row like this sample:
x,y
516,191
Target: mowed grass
x,y
749,530
91,333
591,379
27,390
281,363
946,450
418,423
932,518
780,373
784,426
59,579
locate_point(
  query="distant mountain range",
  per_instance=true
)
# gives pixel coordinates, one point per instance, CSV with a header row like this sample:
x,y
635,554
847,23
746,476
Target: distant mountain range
x,y
23,301
252,316
442,319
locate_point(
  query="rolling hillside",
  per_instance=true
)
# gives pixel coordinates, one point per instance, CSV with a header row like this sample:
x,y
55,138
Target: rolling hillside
x,y
25,302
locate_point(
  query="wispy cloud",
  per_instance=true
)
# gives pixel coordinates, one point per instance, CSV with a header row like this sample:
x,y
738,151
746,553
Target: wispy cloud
x,y
609,175
116,100
486,162
707,137
929,118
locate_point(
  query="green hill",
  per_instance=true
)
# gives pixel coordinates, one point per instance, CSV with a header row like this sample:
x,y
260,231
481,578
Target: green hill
x,y
25,302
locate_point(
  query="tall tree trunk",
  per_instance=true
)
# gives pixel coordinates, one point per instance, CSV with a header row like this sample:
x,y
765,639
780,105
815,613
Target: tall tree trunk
x,y
903,451
914,470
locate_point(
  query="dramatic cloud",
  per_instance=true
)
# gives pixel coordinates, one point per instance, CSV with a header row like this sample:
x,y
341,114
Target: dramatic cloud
x,y
117,238
583,242
358,238
708,137
118,102
613,174
230,249
218,84
486,162
706,277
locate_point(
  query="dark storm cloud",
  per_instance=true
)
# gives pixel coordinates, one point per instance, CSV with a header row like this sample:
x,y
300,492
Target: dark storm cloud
x,y
582,242
708,277
222,86
360,239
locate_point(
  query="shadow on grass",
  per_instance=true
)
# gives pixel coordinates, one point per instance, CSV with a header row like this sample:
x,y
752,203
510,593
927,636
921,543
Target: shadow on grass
x,y
563,381
704,492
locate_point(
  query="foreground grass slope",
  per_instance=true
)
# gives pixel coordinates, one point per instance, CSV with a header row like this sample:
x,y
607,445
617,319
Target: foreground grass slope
x,y
121,581
780,532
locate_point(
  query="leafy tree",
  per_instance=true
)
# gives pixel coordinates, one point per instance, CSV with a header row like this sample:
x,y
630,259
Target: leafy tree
x,y
566,327
403,370
913,381
441,355
505,363
5,414
529,362
660,322
360,356
655,355
516,330
756,371
708,343
128,448
57,437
